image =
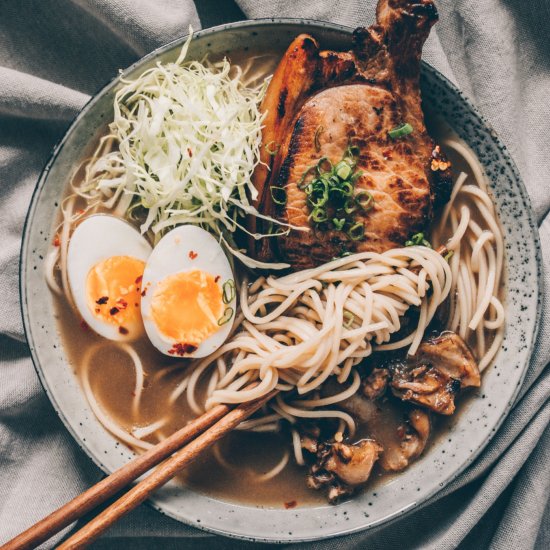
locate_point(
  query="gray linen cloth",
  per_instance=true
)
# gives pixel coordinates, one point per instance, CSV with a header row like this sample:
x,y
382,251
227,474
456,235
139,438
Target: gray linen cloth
x,y
55,54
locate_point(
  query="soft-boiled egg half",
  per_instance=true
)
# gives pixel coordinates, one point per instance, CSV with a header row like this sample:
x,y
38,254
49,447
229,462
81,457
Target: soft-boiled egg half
x,y
105,263
189,297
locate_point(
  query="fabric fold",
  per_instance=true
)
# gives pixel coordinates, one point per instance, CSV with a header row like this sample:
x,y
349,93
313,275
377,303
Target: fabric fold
x,y
54,55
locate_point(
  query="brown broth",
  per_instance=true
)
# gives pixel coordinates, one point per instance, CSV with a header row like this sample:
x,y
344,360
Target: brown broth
x,y
248,455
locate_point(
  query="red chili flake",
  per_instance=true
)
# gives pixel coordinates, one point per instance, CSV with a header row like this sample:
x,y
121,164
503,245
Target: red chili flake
x,y
121,303
56,241
192,254
84,325
217,278
387,154
114,310
123,330
189,152
80,212
102,300
182,349
139,279
136,305
97,310
144,292
291,504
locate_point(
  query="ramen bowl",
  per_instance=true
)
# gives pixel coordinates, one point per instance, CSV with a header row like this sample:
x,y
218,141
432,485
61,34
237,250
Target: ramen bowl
x,y
464,437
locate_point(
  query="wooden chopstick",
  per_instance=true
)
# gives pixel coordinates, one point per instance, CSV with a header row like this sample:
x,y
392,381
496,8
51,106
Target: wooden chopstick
x,y
164,473
112,484
220,420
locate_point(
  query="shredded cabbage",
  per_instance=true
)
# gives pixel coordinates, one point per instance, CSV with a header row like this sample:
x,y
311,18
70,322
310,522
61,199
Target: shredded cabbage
x,y
189,137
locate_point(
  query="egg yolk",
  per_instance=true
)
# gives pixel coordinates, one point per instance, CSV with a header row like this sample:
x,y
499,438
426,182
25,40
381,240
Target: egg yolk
x,y
186,307
113,292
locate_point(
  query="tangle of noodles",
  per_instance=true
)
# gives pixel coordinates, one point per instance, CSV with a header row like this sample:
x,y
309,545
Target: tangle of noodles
x,y
469,227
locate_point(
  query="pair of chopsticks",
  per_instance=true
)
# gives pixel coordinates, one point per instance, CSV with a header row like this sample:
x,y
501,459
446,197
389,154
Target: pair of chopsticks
x,y
173,454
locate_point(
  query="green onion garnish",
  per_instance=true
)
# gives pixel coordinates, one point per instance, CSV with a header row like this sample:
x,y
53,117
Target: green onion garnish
x,y
331,192
339,223
319,215
364,200
301,184
324,162
350,317
349,207
343,170
399,131
228,291
226,317
356,231
272,148
278,194
418,240
448,256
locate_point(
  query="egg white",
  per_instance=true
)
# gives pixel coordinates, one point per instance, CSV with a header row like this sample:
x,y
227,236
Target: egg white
x,y
185,248
97,238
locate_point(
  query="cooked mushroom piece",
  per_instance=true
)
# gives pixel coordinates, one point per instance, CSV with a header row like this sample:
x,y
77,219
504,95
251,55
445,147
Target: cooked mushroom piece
x,y
435,375
341,467
374,386
353,463
413,435
309,436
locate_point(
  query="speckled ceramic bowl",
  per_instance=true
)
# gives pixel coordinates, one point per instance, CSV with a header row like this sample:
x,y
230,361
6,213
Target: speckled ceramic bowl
x,y
452,453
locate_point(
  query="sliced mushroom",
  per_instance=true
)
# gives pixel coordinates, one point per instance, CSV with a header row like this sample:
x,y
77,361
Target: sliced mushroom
x,y
309,437
353,463
341,467
451,356
374,386
412,437
435,375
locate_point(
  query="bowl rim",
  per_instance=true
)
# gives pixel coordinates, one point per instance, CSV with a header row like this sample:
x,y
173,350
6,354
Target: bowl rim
x,y
308,24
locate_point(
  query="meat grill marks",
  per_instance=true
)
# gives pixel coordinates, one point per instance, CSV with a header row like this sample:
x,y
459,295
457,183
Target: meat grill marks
x,y
320,102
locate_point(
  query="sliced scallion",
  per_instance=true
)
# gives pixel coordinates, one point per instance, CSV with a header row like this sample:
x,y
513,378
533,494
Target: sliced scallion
x,y
343,170
418,239
226,317
228,291
319,215
349,317
349,207
364,200
302,184
399,131
323,163
278,194
272,148
356,231
339,223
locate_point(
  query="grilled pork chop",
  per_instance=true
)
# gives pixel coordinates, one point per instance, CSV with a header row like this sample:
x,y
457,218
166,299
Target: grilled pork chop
x,y
320,104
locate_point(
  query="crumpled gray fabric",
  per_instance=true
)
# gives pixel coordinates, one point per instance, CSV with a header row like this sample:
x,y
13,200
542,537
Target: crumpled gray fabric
x,y
55,54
